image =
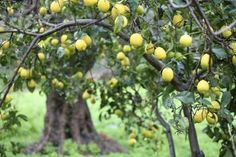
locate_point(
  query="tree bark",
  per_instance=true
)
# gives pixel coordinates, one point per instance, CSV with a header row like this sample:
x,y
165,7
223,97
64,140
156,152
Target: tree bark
x,y
192,135
64,121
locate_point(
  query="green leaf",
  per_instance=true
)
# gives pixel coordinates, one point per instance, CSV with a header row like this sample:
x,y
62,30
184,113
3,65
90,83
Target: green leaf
x,y
226,98
167,101
186,97
219,52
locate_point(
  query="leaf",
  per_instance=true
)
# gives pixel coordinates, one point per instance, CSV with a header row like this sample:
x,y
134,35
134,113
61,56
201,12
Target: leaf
x,y
167,101
133,4
226,98
219,52
186,97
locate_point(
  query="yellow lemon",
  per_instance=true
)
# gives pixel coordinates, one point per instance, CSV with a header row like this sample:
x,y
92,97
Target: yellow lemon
x,y
64,38
120,56
5,44
136,40
125,62
8,99
90,2
112,82
42,11
178,20
60,85
132,135
10,11
203,87
41,30
226,34
199,115
87,39
122,19
86,95
132,142
233,47
25,73
80,45
119,9
234,60
78,75
167,74
205,59
160,53
126,48
55,6
149,48
31,83
103,5
215,105
2,29
185,40
41,56
54,42
147,133
212,118
140,10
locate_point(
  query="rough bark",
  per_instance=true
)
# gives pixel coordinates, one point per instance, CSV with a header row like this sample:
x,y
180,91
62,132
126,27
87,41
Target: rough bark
x,y
63,121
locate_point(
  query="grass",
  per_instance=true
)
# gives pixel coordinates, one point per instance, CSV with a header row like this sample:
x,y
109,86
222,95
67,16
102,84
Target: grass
x,y
33,105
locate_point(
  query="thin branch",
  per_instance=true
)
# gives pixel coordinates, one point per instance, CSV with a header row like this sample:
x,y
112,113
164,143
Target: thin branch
x,y
180,6
20,31
226,28
232,140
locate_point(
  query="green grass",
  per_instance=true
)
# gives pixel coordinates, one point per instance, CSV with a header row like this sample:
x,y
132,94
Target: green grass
x,y
33,105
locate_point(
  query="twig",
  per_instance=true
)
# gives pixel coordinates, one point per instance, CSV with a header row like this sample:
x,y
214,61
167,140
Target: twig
x,y
226,28
232,140
180,6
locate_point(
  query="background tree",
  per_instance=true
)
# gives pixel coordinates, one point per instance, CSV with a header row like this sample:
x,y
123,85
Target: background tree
x,y
180,54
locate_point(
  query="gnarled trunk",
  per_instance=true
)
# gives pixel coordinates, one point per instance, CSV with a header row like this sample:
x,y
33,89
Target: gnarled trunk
x,y
63,121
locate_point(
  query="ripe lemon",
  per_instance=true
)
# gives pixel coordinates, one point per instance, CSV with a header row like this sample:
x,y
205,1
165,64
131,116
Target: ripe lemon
x,y
10,11
121,19
64,38
212,118
25,73
103,5
132,142
31,84
54,42
112,82
42,11
5,44
233,47
120,56
167,74
234,60
55,6
80,45
41,30
8,99
87,39
125,62
132,135
149,48
205,59
203,87
41,56
119,9
178,20
126,48
78,75
136,40
140,10
215,105
90,2
86,95
185,40
199,115
147,133
60,85
160,53
226,34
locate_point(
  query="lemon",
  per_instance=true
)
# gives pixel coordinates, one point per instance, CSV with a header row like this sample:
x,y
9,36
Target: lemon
x,y
87,39
199,115
5,44
79,75
10,11
216,91
149,48
54,82
80,45
140,10
136,40
55,7
132,135
42,11
171,54
160,53
2,29
215,105
132,142
60,85
121,19
147,133
118,112
54,42
120,56
103,5
126,48
25,73
43,77
185,40
178,20
167,74
112,82
234,60
8,99
179,56
90,2
226,34
125,62
86,95
212,118
119,9
64,38
41,56
31,83
41,30
233,47
205,59
203,87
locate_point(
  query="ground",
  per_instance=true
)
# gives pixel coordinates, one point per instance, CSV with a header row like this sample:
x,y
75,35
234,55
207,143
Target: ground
x,y
33,105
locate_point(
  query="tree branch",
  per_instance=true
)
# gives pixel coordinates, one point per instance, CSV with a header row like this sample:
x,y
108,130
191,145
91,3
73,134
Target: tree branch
x,y
226,28
180,6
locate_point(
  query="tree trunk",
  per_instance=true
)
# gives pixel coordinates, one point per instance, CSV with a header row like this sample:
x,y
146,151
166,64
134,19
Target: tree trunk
x,y
63,121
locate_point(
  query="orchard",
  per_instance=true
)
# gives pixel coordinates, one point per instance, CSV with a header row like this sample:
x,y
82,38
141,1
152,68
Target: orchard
x,y
162,68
